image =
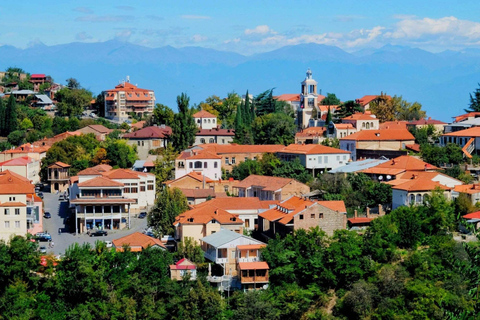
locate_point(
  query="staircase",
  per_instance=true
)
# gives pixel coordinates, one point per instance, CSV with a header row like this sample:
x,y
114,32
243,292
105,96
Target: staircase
x,y
469,147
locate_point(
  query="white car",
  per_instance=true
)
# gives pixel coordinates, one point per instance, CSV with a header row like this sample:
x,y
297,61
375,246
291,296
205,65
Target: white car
x,y
108,243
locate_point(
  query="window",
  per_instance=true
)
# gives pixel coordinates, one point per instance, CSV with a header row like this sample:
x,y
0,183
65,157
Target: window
x,y
345,157
202,141
11,199
211,140
7,224
216,177
198,164
320,215
223,141
227,160
142,188
225,188
233,160
215,164
326,159
134,190
143,143
213,120
138,142
300,217
246,158
208,120
312,216
17,211
205,164
311,102
190,165
338,158
7,212
247,223
199,120
320,159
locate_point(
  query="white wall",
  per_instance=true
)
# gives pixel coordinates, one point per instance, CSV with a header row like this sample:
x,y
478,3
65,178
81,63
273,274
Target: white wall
x,y
321,161
210,171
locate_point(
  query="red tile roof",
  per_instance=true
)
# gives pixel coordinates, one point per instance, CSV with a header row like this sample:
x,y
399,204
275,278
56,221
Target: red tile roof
x,y
311,149
360,220
259,265
288,97
237,203
414,147
203,214
425,122
369,98
37,75
138,125
393,125
137,242
12,183
311,132
12,204
183,264
473,132
124,174
203,114
22,161
239,148
344,126
152,132
406,163
420,184
90,172
361,116
198,193
468,188
334,205
466,116
473,215
380,135
100,182
198,154
59,164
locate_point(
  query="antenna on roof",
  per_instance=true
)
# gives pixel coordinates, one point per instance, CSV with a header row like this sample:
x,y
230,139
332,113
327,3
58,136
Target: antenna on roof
x,y
128,79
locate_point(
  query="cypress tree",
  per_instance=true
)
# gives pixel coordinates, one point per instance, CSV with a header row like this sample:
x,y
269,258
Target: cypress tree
x,y
2,117
11,116
239,125
183,126
329,117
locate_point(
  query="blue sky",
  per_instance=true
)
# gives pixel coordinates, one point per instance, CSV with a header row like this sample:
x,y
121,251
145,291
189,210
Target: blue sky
x,y
246,27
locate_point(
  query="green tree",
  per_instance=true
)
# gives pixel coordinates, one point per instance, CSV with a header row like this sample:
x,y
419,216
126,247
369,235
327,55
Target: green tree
x,y
330,100
274,128
183,127
169,203
252,305
264,103
162,115
329,117
72,83
228,108
347,109
11,123
120,154
293,169
243,122
16,137
71,102
3,118
165,165
474,105
188,248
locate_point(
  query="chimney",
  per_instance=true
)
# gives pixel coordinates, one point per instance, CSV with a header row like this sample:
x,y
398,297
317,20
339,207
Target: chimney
x,y
380,210
355,214
425,167
368,212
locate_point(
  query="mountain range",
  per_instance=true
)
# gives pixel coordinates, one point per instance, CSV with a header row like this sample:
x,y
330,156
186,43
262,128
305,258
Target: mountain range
x,y
441,82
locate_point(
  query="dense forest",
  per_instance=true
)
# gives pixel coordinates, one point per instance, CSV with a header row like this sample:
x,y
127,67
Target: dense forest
x,y
407,265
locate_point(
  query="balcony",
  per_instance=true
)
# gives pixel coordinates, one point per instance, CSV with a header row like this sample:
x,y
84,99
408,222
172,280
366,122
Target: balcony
x,y
212,256
248,259
254,279
59,176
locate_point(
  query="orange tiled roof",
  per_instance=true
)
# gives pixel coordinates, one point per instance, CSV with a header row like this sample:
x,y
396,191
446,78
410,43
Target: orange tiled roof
x,y
288,97
59,164
22,161
206,213
369,98
473,215
237,203
138,125
100,182
473,132
251,246
89,172
311,132
360,116
203,114
360,220
407,163
12,183
466,116
268,183
198,193
344,126
421,184
334,205
123,174
380,135
311,149
414,147
425,122
137,242
393,125
468,188
12,204
239,148
324,108
194,175
258,265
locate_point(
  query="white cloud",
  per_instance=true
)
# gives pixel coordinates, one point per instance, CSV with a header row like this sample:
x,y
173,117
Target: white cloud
x,y
236,40
414,28
263,29
199,38
82,36
194,17
124,35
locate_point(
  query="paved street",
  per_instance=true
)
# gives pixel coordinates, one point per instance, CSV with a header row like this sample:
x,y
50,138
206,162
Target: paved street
x,y
59,211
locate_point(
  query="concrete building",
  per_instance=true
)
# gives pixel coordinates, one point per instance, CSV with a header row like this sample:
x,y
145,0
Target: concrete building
x,y
127,98
299,213
413,192
25,166
182,268
309,99
137,242
98,130
58,176
209,131
206,163
205,120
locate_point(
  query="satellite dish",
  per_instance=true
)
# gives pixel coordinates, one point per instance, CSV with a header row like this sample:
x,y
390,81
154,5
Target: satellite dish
x,y
380,178
389,177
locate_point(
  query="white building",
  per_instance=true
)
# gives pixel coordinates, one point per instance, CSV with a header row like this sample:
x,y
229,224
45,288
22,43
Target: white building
x,y
206,163
205,120
315,157
308,100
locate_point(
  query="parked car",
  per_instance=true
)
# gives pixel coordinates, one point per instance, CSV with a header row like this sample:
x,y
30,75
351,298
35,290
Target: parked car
x,y
98,233
40,195
108,243
42,249
47,215
142,215
43,236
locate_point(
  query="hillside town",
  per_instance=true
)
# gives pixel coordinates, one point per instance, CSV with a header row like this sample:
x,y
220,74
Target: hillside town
x,y
298,205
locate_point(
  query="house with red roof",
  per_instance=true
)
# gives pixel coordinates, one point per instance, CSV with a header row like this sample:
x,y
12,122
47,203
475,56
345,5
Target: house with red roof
x,y
137,242
301,213
209,130
352,124
106,198
195,180
182,268
205,120
310,135
365,101
374,144
438,125
37,79
270,188
17,205
472,191
98,130
414,190
126,98
25,166
467,139
473,218
397,167
148,138
58,175
315,157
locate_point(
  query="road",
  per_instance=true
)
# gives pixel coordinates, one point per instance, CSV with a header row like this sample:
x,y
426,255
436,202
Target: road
x,y
59,211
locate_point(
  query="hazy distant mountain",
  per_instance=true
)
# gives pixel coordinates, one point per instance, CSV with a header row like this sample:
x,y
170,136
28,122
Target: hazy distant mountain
x,y
440,81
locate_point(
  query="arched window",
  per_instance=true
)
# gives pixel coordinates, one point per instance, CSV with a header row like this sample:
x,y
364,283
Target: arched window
x,y
363,124
202,141
212,140
368,125
419,198
205,165
208,120
371,125
198,164
412,198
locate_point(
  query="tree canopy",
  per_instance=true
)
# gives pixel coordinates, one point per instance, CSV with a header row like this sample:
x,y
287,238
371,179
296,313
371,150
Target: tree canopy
x,y
347,109
330,100
474,105
183,126
396,108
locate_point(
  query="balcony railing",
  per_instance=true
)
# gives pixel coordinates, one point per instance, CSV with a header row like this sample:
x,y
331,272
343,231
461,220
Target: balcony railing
x,y
254,279
212,256
249,259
